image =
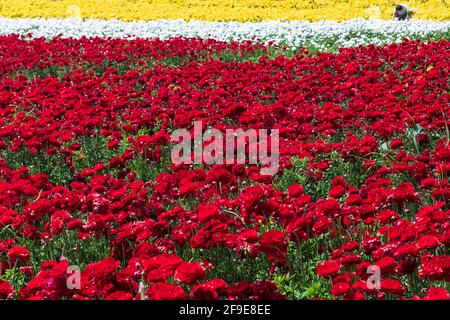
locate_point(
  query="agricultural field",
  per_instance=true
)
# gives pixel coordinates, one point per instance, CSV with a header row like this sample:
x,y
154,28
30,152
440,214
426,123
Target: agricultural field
x,y
221,10
94,204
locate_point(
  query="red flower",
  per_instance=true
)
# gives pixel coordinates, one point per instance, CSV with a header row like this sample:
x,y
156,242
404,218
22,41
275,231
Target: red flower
x,y
387,265
18,255
405,250
396,143
436,268
336,192
3,266
340,289
165,291
437,294
295,190
6,290
189,272
362,286
209,290
392,286
350,259
90,126
27,271
322,225
273,243
238,170
265,290
238,290
207,212
119,295
370,244
328,268
161,267
386,216
350,246
428,242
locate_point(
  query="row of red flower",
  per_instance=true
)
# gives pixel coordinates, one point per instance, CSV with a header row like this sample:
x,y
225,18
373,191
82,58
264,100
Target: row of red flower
x,y
372,123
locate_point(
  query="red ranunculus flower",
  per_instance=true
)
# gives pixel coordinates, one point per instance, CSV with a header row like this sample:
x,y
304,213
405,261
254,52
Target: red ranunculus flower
x,y
340,289
165,291
273,243
393,286
328,268
428,242
18,255
209,290
437,294
6,290
189,272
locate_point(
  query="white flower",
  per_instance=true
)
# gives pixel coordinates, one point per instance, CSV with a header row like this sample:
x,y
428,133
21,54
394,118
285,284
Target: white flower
x,y
320,35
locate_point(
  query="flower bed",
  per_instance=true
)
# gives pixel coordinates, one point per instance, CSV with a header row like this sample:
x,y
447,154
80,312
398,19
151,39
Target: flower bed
x,y
220,10
316,36
86,177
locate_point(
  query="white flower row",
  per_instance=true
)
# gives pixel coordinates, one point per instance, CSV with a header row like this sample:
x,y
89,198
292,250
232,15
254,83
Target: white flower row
x,y
321,35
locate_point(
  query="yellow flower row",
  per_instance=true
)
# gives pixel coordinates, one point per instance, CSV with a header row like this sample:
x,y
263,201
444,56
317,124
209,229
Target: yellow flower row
x,y
222,10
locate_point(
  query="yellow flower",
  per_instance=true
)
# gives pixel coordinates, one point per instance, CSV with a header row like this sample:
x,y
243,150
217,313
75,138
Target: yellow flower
x,y
222,10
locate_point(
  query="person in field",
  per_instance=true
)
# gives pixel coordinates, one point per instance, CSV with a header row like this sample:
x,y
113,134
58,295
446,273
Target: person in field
x,y
401,12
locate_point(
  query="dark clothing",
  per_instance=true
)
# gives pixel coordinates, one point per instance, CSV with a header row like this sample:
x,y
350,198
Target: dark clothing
x,y
401,13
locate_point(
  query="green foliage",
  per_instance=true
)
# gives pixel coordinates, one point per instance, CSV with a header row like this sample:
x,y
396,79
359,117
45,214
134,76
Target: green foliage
x,y
54,166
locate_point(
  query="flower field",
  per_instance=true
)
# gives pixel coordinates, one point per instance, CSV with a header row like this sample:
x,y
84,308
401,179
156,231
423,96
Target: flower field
x,y
220,10
315,36
359,208
86,175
